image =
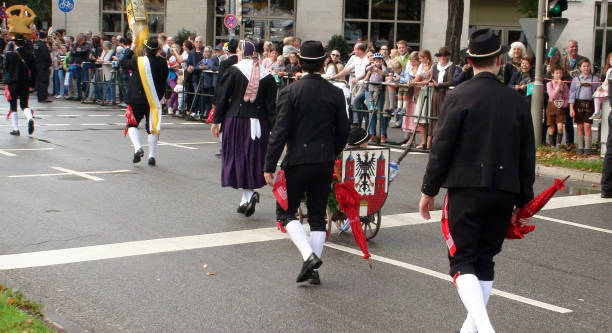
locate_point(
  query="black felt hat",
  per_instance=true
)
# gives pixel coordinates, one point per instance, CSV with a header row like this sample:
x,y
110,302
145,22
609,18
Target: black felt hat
x,y
151,43
357,136
312,51
484,43
232,45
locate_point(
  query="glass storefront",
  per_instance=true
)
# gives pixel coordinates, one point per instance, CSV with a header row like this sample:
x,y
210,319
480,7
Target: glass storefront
x,y
270,20
114,19
389,20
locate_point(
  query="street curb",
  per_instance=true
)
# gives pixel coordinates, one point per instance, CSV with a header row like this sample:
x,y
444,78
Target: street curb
x,y
575,175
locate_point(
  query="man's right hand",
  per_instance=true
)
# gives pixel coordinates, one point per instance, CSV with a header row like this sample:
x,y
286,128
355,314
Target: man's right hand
x,y
190,68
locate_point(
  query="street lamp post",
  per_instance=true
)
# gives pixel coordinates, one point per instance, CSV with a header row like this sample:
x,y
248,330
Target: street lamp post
x,y
538,87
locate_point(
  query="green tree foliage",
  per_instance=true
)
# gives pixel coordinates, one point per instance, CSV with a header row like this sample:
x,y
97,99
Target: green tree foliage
x,y
337,42
42,9
182,36
527,7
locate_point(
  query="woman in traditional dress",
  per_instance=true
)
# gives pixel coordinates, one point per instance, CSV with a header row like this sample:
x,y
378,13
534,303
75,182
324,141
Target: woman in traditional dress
x,y
245,110
442,78
422,79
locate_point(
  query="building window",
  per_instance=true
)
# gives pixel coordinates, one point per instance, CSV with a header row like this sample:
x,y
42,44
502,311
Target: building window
x,y
114,19
388,20
270,20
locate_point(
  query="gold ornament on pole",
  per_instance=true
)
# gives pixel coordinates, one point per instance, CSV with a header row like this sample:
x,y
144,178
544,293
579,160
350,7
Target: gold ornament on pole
x,y
19,20
138,20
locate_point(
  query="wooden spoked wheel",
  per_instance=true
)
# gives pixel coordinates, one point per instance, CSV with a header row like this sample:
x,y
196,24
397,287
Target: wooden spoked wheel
x,y
371,224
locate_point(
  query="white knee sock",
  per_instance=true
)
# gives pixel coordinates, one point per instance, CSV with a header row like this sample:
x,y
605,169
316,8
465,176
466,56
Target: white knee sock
x,y
28,113
468,325
597,101
317,241
152,139
246,196
471,294
299,238
134,137
14,118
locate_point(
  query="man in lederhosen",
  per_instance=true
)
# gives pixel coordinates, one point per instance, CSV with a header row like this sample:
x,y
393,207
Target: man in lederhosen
x,y
312,121
18,70
147,84
484,153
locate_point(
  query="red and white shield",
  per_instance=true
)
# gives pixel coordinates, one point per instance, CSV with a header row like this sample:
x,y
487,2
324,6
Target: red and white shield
x,y
367,171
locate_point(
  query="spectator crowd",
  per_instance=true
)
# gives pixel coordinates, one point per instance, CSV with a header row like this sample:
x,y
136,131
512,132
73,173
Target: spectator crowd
x,y
386,85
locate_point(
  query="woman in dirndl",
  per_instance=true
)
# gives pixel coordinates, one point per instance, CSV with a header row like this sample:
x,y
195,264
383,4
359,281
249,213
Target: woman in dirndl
x,y
408,76
244,114
442,79
424,97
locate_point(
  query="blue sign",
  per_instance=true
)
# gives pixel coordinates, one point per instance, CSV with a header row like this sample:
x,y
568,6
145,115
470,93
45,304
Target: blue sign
x,y
65,5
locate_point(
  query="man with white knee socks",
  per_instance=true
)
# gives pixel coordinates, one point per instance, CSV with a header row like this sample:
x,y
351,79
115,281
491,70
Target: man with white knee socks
x,y
18,66
484,153
312,121
146,85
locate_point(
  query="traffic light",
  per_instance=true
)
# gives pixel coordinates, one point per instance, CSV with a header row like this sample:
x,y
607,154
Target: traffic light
x,y
556,7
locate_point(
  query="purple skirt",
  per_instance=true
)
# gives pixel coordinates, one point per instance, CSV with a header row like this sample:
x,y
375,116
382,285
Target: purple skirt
x,y
242,157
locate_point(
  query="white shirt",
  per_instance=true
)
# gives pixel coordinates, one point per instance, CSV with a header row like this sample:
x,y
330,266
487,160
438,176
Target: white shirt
x,y
358,64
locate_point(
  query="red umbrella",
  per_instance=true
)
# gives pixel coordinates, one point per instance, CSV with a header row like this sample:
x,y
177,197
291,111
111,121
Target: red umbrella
x,y
518,230
348,202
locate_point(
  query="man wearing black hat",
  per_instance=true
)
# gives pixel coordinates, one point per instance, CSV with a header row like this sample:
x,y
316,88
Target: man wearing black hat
x,y
43,63
145,91
312,121
484,154
18,68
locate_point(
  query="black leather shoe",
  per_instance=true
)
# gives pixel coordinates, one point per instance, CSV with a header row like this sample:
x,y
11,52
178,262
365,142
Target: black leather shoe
x,y
314,278
250,207
241,209
138,155
30,126
313,262
151,161
14,132
606,195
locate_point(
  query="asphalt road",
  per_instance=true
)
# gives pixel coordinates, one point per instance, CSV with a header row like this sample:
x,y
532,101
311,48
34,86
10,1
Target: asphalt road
x,y
139,241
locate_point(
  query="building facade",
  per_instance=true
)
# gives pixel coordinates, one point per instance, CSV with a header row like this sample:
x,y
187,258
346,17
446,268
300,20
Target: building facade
x,y
422,23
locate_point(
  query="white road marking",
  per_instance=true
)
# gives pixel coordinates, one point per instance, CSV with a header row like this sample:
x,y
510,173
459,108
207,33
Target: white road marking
x,y
398,220
66,172
5,151
446,277
68,115
192,123
174,244
162,143
99,115
95,124
52,125
573,224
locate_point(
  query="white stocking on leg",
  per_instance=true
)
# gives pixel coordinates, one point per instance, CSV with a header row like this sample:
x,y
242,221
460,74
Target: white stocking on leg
x,y
28,113
246,196
597,101
471,295
152,139
14,118
317,241
468,325
299,238
134,137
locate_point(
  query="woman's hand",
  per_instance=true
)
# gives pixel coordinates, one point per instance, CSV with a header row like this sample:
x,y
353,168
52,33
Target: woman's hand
x,y
572,112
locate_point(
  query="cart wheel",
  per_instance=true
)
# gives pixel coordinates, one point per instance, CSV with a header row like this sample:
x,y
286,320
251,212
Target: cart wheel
x,y
328,220
371,224
300,214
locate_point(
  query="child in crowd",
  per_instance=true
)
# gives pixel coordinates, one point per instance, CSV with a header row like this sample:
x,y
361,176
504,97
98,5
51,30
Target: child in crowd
x,y
582,105
602,92
358,138
391,98
178,90
558,99
375,74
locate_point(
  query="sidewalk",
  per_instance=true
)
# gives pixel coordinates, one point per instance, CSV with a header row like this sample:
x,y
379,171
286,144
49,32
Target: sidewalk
x,y
575,175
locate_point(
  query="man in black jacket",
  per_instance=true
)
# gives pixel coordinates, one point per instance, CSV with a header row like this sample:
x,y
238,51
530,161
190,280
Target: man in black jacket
x,y
484,153
18,66
43,63
313,123
156,69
